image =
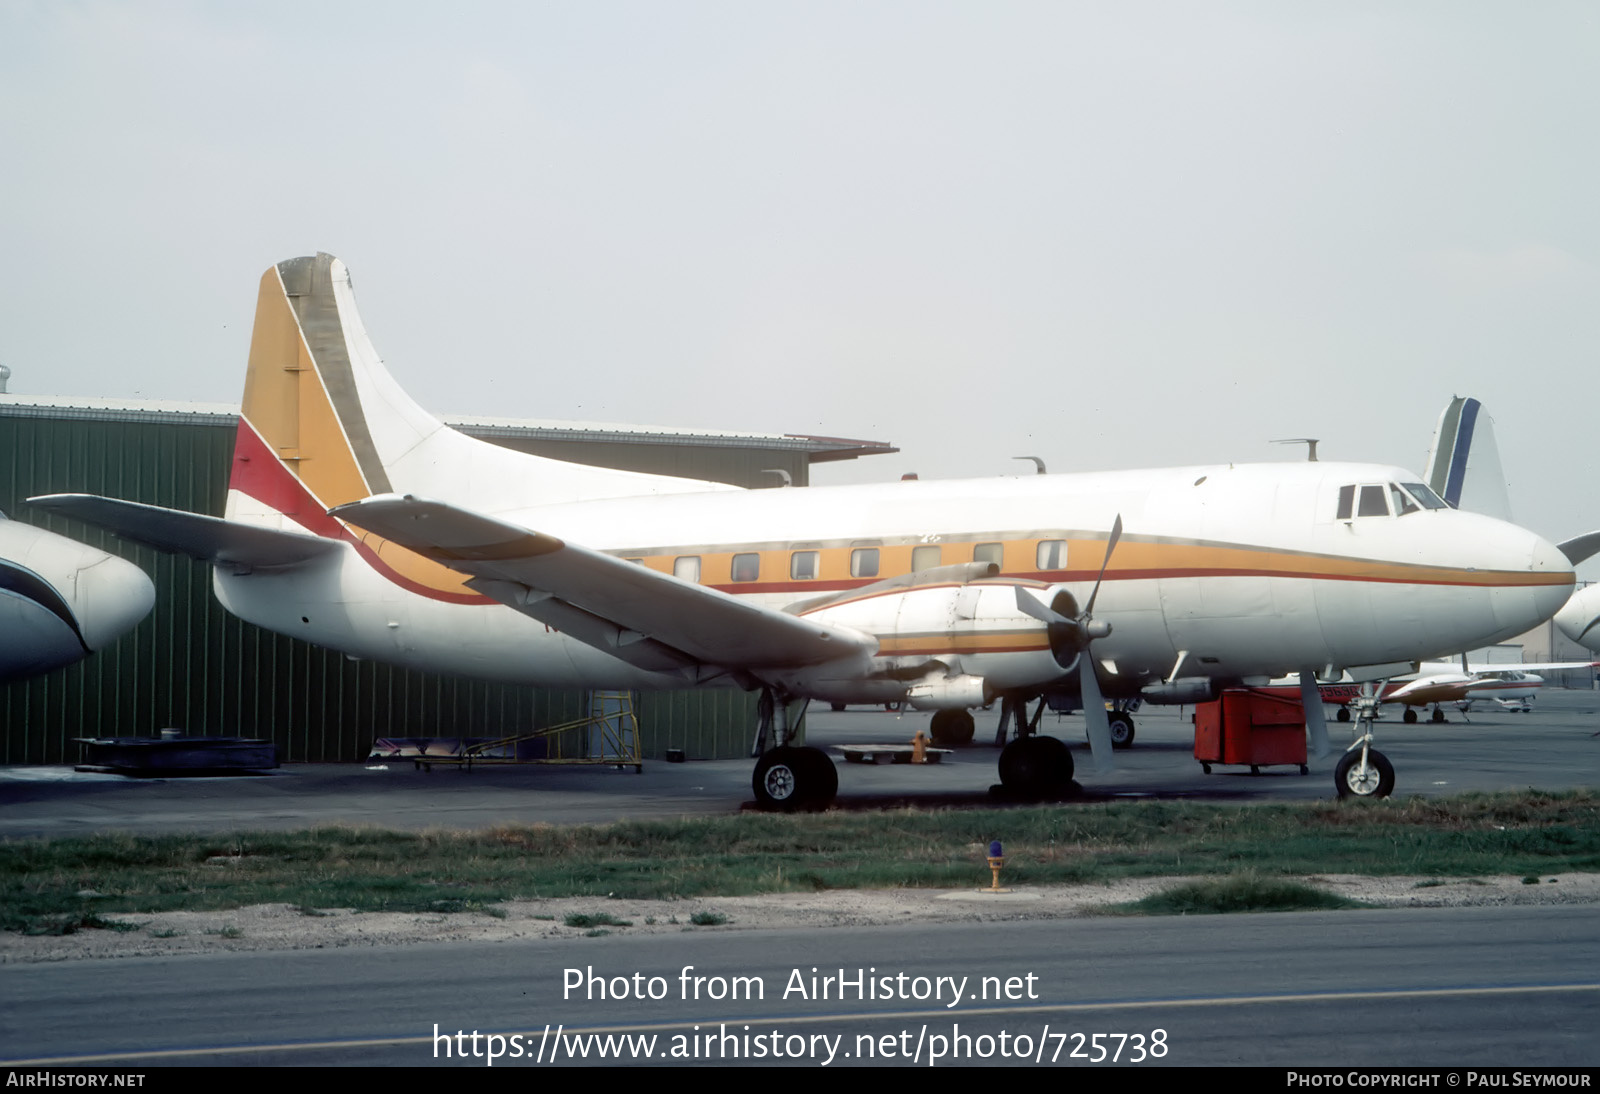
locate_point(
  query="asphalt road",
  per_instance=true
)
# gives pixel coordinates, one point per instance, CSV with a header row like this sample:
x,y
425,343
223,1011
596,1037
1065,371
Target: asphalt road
x,y
1556,747
1449,987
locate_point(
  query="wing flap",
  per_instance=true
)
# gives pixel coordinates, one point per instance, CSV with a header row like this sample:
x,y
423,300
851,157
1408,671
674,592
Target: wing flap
x,y
621,607
209,539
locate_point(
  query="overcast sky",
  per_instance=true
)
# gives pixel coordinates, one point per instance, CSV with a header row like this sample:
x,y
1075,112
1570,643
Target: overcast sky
x,y
1111,235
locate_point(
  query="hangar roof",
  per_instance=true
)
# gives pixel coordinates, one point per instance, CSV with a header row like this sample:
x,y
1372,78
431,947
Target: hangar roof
x,y
818,449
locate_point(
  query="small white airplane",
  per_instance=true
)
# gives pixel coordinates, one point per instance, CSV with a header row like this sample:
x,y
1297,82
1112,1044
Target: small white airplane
x,y
1512,686
357,520
61,600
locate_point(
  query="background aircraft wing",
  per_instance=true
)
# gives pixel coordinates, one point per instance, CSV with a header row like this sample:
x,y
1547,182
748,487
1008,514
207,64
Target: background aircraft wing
x,y
646,618
210,539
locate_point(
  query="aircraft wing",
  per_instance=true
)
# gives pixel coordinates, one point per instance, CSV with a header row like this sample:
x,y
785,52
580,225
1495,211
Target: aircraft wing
x,y
636,614
210,539
1581,548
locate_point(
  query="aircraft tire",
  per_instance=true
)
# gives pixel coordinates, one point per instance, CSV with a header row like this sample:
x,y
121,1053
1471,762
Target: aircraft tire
x,y
1036,767
1343,715
951,728
789,779
1377,781
1410,716
823,777
1121,729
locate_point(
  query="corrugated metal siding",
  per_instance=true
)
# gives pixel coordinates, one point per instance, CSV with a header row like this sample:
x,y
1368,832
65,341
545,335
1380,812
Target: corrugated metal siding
x,y
192,666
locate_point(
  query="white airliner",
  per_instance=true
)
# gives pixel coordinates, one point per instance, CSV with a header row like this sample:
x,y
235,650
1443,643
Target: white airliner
x,y
1579,620
358,521
61,600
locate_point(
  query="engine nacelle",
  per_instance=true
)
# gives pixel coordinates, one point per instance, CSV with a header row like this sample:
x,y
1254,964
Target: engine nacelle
x,y
1185,689
952,630
949,693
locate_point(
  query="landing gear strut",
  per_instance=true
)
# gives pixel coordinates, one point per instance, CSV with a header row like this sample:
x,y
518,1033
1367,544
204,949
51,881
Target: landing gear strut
x,y
788,777
1364,772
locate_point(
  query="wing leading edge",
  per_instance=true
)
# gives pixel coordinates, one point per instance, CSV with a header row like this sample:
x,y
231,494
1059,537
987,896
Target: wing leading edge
x,y
635,614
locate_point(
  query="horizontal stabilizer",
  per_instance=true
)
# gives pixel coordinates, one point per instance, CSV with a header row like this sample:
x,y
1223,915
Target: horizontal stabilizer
x,y
625,609
210,539
1581,548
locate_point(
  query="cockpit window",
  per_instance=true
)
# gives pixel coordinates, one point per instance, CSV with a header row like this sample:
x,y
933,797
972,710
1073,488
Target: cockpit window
x,y
1424,496
1347,502
1402,502
1372,502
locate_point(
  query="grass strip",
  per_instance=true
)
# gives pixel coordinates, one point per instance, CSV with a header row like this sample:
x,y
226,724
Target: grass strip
x,y
1526,833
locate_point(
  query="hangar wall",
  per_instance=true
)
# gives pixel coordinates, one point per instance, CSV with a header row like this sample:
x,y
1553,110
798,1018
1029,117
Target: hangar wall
x,y
192,666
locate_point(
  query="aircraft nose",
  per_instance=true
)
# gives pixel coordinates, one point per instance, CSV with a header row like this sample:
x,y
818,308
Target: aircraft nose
x,y
1524,607
112,596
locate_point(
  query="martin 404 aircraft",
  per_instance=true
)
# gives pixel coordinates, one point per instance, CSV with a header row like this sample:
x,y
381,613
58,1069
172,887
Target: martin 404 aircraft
x,y
357,520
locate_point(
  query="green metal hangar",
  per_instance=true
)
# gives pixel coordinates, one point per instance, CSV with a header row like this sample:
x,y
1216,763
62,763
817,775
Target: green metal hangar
x,y
191,666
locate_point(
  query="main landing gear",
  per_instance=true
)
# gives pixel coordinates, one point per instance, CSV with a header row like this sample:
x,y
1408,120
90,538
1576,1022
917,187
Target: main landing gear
x,y
951,728
1032,766
788,777
1364,772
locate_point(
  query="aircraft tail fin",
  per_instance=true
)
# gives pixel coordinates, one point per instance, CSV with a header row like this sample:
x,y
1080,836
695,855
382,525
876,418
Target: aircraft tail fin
x,y
1464,463
324,424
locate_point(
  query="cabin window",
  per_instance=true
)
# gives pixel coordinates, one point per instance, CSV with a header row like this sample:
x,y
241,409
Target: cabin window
x,y
746,567
924,558
1347,502
864,562
803,566
989,552
687,567
1372,502
1052,554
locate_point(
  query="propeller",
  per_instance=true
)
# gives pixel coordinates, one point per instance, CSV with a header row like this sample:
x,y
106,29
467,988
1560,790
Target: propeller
x,y
1071,632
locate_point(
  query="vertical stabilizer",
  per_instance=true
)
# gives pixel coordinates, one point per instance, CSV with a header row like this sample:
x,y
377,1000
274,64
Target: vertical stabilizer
x,y
323,423
1464,463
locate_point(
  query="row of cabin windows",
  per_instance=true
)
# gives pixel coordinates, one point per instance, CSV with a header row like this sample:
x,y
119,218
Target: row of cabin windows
x,y
1374,500
803,565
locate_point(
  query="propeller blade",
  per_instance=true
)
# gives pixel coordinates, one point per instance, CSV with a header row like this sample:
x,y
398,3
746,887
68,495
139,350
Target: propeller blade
x,y
1316,719
1028,603
1111,545
1094,716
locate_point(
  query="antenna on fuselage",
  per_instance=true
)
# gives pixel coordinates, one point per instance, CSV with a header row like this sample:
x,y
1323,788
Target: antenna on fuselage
x,y
1037,462
1309,442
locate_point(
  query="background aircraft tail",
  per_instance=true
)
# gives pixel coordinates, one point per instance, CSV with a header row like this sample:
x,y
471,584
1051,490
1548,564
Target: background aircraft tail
x,y
324,424
1464,463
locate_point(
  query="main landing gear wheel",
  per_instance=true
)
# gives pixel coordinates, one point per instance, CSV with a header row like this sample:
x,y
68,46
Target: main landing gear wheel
x,y
1374,779
1409,716
1036,767
1121,729
1438,716
1343,715
790,778
951,728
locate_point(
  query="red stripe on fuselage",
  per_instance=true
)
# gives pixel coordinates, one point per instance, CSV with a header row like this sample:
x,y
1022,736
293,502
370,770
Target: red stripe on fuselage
x,y
259,473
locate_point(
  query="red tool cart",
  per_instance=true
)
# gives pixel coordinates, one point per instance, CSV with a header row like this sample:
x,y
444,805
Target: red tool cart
x,y
1245,726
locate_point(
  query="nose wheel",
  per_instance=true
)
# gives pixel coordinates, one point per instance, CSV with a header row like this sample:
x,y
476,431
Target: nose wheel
x,y
1364,773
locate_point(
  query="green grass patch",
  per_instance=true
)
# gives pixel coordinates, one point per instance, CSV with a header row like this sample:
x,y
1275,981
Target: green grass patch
x,y
1528,834
1246,892
708,919
597,919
